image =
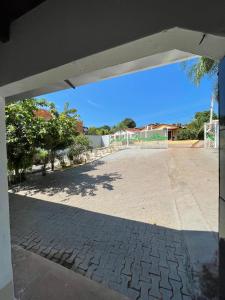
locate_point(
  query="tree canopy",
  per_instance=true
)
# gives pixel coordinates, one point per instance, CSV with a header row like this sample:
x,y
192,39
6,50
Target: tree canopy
x,y
103,130
27,131
106,129
202,67
129,123
60,131
24,132
195,129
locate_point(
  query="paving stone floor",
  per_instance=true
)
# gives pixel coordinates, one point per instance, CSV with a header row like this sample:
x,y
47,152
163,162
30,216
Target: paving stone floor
x,y
138,221
140,260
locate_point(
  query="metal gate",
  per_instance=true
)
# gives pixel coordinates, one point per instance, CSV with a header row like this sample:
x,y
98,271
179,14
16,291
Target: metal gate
x,y
211,134
153,139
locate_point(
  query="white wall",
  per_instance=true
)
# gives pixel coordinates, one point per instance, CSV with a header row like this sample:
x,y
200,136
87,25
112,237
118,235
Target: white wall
x,y
98,141
95,141
6,290
105,140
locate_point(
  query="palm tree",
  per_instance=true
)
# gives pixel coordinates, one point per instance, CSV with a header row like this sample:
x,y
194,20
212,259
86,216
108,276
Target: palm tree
x,y
203,67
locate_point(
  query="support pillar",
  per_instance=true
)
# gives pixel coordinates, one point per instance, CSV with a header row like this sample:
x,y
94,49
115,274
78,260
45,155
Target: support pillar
x,y
6,275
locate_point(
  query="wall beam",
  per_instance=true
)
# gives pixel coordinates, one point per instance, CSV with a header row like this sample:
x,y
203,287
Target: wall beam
x,y
6,277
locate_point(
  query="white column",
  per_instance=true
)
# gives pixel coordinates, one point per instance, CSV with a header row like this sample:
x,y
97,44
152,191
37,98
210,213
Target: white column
x,y
6,275
205,136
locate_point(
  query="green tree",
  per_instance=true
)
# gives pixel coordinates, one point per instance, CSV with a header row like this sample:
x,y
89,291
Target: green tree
x,y
119,127
195,129
186,134
29,134
202,67
23,135
129,123
60,131
93,130
204,116
103,130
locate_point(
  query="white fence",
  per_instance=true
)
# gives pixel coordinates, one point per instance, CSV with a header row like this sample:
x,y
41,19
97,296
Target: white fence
x,y
211,135
157,139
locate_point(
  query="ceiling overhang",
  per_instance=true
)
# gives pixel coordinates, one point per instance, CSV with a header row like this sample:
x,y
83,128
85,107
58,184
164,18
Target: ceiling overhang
x,y
12,10
156,50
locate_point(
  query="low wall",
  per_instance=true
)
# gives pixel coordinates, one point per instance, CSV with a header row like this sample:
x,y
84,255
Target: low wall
x,y
95,141
99,141
105,140
186,144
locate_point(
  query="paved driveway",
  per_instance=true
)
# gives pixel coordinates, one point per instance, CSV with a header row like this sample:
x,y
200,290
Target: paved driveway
x,y
137,221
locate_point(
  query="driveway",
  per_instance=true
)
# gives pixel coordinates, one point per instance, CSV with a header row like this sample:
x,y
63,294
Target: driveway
x,y
139,221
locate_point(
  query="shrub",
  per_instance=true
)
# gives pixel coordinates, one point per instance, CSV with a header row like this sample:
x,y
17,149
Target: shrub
x,y
80,146
187,134
61,157
42,158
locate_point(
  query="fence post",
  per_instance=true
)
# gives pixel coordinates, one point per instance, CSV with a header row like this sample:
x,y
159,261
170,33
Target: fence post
x,y
205,141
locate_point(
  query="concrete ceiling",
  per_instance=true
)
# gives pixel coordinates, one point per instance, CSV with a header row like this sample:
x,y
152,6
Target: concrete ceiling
x,y
156,50
12,10
84,41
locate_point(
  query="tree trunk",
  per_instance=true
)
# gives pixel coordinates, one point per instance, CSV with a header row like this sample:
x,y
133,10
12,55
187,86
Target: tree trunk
x,y
52,159
17,176
44,169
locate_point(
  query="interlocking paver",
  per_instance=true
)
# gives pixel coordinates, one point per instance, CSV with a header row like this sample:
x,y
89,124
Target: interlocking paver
x,y
176,285
166,294
145,275
187,297
139,260
164,278
186,287
136,272
173,271
154,290
154,265
145,287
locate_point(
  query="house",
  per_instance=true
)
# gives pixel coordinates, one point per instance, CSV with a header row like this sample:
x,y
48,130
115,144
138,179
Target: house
x,y
128,132
80,127
173,129
47,116
43,113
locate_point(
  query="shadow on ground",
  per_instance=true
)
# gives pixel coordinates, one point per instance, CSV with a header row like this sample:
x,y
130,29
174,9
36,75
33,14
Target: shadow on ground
x,y
73,181
137,259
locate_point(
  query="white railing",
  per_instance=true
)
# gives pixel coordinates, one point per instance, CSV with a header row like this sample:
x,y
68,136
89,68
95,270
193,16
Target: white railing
x,y
211,134
157,139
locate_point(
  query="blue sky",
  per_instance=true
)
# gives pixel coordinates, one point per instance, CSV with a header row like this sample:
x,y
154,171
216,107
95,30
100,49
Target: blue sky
x,y
163,95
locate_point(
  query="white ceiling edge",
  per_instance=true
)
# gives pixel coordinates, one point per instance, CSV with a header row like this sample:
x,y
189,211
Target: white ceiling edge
x,y
154,61
146,63
166,47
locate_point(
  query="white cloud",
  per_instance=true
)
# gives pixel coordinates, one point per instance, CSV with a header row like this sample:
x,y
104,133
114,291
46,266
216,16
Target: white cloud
x,y
92,103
